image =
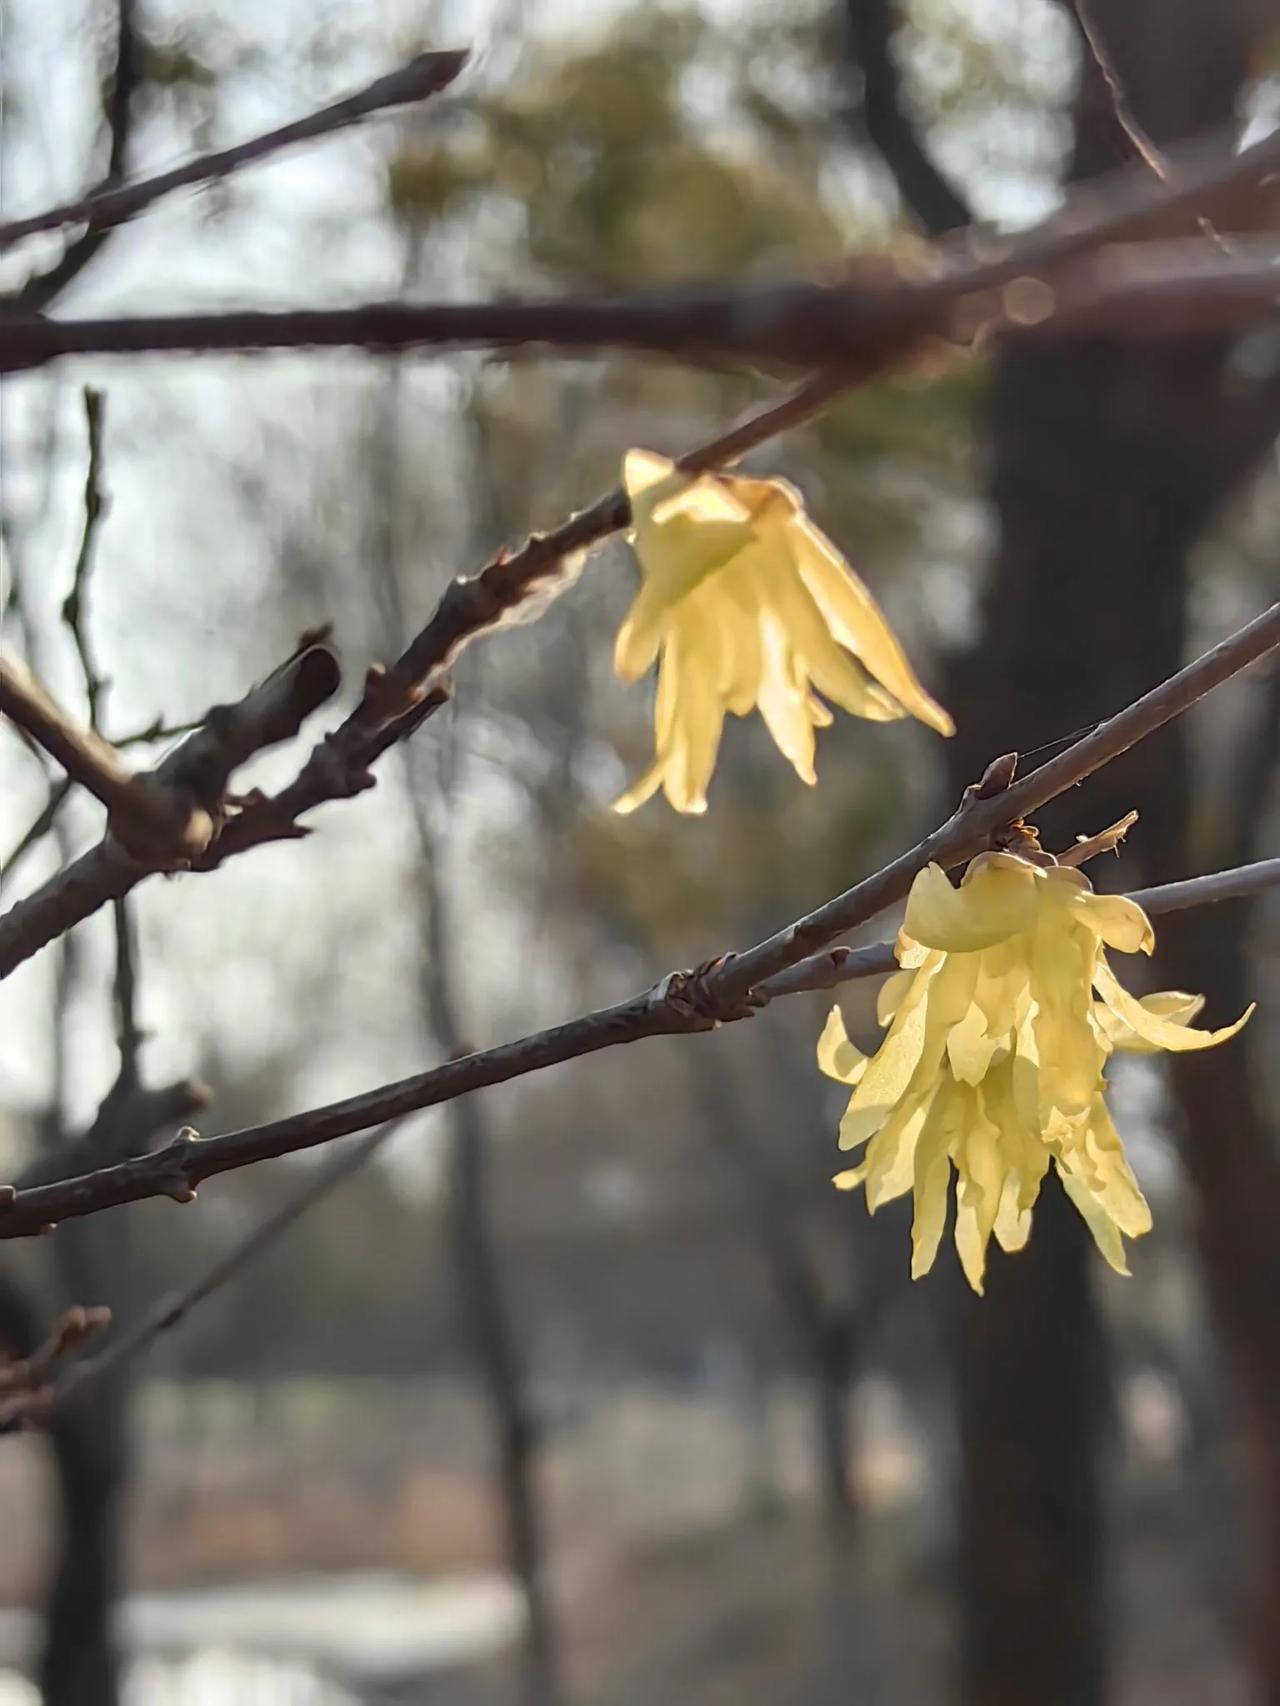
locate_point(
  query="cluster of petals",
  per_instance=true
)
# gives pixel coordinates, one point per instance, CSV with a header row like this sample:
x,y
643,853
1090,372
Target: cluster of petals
x,y
749,604
1000,1023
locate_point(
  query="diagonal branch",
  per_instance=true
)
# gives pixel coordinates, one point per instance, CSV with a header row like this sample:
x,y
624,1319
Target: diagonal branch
x,y
82,753
925,189
171,1311
728,989
422,77
187,801
1130,126
42,288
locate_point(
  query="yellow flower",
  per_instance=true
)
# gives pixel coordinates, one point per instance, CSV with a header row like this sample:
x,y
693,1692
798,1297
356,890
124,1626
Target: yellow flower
x,y
749,604
1000,1023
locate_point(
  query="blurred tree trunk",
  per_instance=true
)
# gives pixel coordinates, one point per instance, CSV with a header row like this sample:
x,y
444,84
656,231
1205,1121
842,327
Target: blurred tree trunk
x,y
79,1659
430,788
824,1329
1102,475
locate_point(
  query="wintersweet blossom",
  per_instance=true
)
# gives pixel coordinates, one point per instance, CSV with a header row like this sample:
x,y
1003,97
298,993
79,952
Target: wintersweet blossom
x,y
1000,1023
749,604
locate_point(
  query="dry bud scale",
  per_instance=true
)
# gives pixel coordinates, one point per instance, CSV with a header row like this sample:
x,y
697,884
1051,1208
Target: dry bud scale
x,y
1000,1024
749,605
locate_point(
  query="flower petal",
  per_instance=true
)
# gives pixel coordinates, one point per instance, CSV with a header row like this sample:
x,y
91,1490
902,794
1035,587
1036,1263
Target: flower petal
x,y
858,623
932,1179
1150,1027
1106,1234
837,1056
1175,1005
1121,923
995,901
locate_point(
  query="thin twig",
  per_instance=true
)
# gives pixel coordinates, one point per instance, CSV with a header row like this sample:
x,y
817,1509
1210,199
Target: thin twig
x,y
1137,137
74,606
82,753
188,789
422,77
25,1393
41,289
47,816
169,1312
730,988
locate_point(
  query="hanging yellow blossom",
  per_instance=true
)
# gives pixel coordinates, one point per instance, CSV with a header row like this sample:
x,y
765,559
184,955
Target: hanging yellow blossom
x,y
749,604
1000,1022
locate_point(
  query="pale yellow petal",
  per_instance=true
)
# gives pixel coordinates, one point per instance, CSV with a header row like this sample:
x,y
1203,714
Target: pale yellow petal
x,y
1003,986
1069,1051
643,789
1151,1027
995,903
1120,922
728,602
889,1166
969,1048
817,656
1106,1235
1013,1221
857,621
891,993
931,1181
783,705
1112,1178
980,1163
698,720
1175,1005
891,1068
837,1056
641,634
644,469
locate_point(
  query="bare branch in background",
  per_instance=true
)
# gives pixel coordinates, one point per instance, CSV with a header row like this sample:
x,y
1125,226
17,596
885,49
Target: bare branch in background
x,y
25,1389
1135,135
82,753
96,503
729,988
883,115
171,1311
420,78
185,799
42,288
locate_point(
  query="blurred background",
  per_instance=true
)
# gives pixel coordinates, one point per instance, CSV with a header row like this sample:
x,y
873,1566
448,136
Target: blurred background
x,y
590,1388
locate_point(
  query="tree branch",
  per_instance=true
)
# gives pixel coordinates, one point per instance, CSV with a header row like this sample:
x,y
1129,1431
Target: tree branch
x,y
82,753
42,288
925,189
422,77
171,1311
1144,292
186,792
730,988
